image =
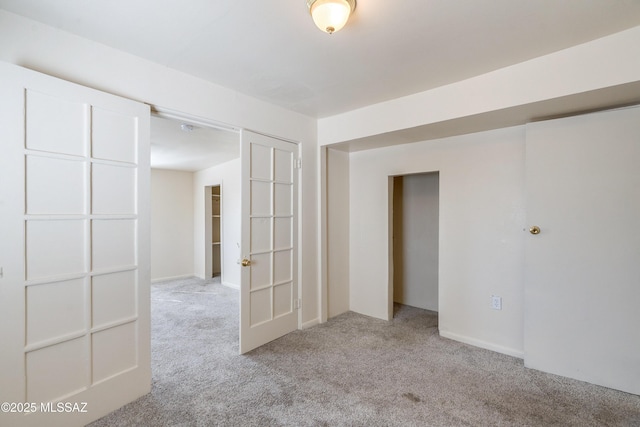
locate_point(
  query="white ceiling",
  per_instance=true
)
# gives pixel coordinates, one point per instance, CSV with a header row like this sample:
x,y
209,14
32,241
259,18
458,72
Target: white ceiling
x,y
201,148
270,49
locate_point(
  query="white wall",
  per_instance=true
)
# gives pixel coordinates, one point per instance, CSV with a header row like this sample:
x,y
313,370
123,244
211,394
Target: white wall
x,y
227,176
42,48
415,240
337,232
481,232
481,177
171,224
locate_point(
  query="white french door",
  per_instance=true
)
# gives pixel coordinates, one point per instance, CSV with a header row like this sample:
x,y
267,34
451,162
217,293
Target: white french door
x,y
74,252
269,283
582,271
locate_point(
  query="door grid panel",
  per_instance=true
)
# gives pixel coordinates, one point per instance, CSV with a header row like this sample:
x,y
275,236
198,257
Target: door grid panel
x,y
55,310
113,136
78,225
55,247
64,364
113,298
74,195
269,283
55,185
48,116
114,351
271,204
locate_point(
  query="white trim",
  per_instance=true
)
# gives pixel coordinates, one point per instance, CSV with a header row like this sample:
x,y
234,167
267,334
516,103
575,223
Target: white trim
x,y
483,344
231,285
323,269
167,113
310,323
164,279
299,222
281,138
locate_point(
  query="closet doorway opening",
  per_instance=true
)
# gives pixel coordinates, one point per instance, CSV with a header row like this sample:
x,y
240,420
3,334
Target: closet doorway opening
x,y
213,231
415,240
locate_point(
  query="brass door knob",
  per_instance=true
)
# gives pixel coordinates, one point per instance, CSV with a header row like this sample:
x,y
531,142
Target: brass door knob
x,y
246,263
534,230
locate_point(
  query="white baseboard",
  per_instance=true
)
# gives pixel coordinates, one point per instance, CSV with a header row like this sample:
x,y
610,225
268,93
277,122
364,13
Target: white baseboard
x,y
231,285
164,279
483,344
311,323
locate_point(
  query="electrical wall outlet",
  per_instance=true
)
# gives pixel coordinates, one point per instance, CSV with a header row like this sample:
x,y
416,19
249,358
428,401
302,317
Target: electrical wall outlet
x,y
496,302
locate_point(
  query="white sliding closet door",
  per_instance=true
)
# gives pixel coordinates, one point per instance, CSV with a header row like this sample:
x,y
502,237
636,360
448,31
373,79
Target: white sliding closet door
x,y
74,252
582,271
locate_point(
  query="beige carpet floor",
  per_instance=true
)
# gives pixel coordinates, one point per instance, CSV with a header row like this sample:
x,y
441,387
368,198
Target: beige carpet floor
x,y
350,371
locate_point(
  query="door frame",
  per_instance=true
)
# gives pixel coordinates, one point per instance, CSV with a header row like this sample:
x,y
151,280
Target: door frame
x,y
392,232
323,227
169,113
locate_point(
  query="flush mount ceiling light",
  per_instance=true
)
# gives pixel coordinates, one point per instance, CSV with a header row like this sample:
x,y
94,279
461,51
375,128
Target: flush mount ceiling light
x,y
331,15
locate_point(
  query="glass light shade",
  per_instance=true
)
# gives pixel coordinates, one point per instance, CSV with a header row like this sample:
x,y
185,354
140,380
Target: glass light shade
x,y
330,15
